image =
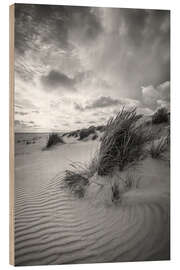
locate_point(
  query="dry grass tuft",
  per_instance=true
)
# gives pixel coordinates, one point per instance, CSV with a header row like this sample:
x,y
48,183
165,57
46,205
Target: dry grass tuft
x,y
77,177
123,142
158,147
84,133
160,116
53,139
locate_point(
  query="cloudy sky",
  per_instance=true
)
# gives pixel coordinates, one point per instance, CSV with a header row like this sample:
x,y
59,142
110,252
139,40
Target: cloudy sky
x,y
76,66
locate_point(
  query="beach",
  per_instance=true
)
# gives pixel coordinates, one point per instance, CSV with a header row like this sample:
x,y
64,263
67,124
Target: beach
x,y
52,226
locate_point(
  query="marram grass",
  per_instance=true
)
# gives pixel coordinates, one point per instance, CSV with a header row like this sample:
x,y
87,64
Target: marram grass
x,y
122,145
123,142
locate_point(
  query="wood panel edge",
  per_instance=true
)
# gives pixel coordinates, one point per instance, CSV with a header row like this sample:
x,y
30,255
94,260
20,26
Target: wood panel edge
x,y
11,134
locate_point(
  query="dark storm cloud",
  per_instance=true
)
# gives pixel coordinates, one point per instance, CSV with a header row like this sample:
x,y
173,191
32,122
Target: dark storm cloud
x,y
38,21
51,24
103,102
149,32
57,79
145,25
103,57
137,50
134,21
138,39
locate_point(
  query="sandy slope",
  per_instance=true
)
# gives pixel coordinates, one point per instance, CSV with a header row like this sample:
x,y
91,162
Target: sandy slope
x,y
54,227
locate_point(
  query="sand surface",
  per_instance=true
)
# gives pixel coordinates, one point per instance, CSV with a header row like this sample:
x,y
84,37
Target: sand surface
x,y
54,227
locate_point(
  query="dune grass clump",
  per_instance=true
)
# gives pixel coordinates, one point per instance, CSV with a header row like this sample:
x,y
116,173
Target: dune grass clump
x,y
74,133
94,137
100,128
76,182
77,177
84,133
160,116
123,142
158,147
53,139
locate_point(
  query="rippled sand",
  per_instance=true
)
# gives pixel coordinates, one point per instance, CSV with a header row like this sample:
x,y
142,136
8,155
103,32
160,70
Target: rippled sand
x,y
54,227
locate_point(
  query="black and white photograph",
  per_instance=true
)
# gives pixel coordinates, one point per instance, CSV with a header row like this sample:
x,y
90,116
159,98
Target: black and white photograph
x,y
91,134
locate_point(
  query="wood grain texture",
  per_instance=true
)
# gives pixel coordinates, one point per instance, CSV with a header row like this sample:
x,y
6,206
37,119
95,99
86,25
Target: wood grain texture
x,y
11,134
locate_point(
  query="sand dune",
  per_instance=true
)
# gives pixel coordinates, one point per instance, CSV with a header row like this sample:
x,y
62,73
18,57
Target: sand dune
x,y
54,227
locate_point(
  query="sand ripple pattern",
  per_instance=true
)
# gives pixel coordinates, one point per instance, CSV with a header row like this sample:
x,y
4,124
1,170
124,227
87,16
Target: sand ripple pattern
x,y
54,227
